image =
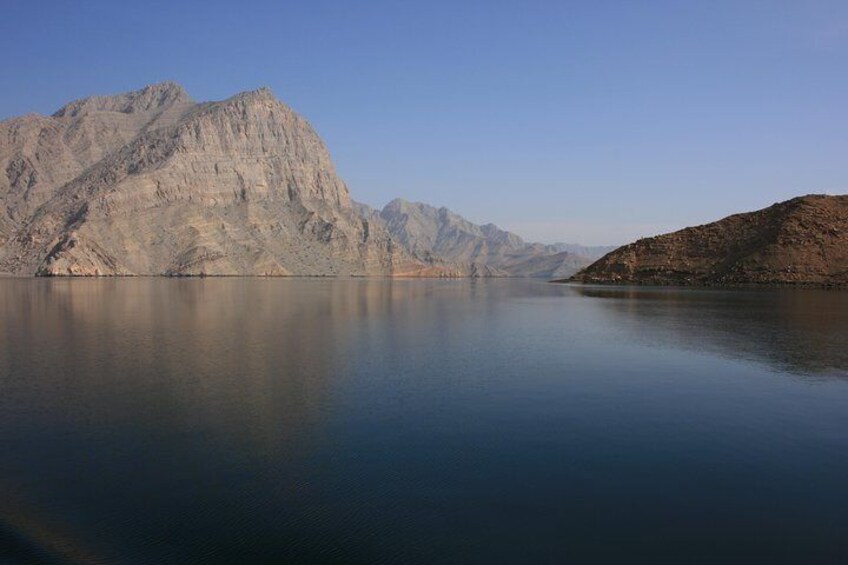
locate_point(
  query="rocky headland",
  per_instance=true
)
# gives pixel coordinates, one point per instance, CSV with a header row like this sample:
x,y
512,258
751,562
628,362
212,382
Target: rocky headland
x,y
802,241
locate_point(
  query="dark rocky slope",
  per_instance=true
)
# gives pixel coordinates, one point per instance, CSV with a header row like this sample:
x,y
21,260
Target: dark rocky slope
x,y
800,241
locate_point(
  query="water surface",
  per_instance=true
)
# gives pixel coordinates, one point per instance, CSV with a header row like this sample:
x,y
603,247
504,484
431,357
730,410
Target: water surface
x,y
269,420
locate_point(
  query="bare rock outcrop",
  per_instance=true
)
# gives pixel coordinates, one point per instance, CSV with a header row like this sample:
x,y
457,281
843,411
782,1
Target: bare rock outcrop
x,y
152,183
799,241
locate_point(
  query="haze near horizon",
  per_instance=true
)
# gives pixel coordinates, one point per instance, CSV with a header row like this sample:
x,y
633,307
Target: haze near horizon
x,y
593,123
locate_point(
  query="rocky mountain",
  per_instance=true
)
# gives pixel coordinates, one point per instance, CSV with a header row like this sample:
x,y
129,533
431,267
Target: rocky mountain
x,y
589,251
152,183
439,237
800,241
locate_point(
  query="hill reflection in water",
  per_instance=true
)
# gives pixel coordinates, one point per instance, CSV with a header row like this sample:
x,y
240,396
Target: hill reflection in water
x,y
799,331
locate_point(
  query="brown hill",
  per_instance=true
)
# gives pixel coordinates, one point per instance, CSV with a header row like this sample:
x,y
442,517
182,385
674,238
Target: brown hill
x,y
800,241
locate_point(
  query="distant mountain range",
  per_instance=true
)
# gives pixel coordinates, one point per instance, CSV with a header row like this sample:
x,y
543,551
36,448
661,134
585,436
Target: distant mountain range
x,y
437,236
800,241
151,182
590,251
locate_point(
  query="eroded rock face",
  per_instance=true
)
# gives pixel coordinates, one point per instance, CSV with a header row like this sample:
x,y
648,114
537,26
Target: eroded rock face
x,y
800,241
152,183
445,240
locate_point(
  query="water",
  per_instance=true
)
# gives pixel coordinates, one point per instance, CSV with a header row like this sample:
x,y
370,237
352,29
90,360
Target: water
x,y
267,420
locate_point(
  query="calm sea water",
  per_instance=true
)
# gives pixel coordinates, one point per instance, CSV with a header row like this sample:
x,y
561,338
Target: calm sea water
x,y
267,420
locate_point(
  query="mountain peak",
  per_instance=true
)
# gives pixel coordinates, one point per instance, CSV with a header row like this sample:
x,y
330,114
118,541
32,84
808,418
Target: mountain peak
x,y
151,97
400,205
260,94
163,87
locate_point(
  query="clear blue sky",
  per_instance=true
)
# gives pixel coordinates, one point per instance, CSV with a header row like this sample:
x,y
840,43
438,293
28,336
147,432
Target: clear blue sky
x,y
592,121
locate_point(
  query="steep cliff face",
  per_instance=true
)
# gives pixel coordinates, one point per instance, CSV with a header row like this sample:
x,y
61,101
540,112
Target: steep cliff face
x,y
39,154
441,238
151,183
800,241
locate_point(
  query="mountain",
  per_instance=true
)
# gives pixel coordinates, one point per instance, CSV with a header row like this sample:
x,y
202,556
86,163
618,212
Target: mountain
x,y
589,251
152,183
799,241
439,237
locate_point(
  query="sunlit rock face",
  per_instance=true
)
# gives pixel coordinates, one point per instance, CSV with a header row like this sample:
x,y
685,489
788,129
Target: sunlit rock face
x,y
800,241
152,183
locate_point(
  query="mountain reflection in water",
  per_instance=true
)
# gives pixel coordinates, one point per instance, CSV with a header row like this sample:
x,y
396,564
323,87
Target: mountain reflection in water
x,y
319,420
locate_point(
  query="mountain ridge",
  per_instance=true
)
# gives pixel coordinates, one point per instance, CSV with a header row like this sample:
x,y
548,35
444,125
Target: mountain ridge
x,y
151,182
436,234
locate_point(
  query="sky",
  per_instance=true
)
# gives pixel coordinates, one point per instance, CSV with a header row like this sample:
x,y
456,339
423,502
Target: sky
x,y
596,122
